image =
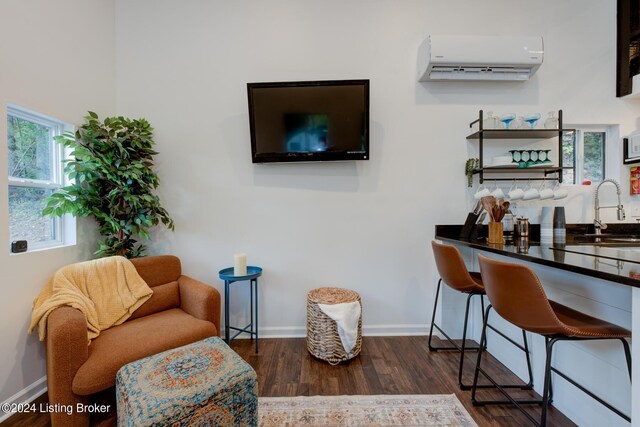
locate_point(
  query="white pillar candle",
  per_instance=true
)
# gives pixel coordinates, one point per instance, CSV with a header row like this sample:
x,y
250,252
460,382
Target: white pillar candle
x,y
240,265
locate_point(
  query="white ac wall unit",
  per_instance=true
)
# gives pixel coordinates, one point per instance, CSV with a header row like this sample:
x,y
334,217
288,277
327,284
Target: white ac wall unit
x,y
511,58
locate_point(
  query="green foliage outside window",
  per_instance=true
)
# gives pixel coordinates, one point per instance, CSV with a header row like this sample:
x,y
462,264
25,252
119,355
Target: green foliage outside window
x,y
594,156
568,156
592,165
29,149
111,163
25,215
30,157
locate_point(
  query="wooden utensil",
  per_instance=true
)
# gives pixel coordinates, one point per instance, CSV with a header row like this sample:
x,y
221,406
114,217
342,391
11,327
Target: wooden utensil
x,y
487,204
501,211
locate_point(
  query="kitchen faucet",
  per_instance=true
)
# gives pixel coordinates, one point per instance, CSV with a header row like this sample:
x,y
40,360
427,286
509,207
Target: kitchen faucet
x,y
599,225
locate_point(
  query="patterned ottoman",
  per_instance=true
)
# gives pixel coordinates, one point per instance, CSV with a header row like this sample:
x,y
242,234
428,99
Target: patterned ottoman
x,y
201,384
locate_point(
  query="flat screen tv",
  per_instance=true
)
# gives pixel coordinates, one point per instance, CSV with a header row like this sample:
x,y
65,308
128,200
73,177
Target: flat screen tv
x,y
309,121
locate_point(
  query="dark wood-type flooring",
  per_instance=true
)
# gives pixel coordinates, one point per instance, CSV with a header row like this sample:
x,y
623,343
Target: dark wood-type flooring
x,y
386,365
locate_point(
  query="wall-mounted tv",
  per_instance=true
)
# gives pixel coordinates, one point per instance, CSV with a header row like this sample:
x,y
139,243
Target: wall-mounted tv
x,y
309,121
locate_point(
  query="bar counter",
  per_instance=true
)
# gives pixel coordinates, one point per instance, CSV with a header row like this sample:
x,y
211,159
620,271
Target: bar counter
x,y
616,262
599,276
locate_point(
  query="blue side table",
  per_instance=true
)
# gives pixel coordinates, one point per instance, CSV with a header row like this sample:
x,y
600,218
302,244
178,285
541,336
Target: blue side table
x,y
252,275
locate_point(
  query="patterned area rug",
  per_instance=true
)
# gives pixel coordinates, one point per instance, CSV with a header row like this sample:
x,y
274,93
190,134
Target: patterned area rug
x,y
382,410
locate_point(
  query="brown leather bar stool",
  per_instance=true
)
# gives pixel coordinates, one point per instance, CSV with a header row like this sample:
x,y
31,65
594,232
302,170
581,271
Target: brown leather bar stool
x,y
453,272
516,294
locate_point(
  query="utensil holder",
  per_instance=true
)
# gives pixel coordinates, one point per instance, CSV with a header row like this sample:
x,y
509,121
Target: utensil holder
x,y
495,232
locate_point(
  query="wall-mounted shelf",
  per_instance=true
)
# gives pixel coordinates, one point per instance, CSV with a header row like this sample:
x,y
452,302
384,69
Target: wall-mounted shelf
x,y
517,133
510,170
481,134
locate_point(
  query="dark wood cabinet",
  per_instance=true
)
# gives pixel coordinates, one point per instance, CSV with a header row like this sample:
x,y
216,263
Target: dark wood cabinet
x,y
628,45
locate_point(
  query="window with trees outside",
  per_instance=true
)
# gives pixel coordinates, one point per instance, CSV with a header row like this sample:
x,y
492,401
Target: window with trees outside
x,y
584,149
35,171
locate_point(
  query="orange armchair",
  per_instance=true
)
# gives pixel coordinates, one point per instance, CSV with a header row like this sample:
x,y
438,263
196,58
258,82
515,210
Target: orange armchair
x,y
181,310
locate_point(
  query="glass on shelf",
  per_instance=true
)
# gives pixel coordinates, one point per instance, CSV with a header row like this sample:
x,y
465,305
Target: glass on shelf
x,y
546,156
552,121
506,119
531,119
515,156
524,159
490,122
535,157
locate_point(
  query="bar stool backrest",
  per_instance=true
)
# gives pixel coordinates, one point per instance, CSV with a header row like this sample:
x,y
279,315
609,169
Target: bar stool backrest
x,y
452,269
517,295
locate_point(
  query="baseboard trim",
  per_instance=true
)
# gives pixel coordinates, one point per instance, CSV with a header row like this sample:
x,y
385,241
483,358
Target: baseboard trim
x,y
26,395
395,330
367,331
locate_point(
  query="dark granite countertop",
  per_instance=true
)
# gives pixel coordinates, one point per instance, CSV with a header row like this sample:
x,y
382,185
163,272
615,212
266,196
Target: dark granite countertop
x,y
615,261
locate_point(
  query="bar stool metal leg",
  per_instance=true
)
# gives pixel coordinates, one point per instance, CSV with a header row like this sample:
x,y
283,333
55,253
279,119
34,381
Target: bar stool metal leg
x,y
547,382
546,344
433,317
550,369
547,390
463,347
482,307
527,355
454,347
494,384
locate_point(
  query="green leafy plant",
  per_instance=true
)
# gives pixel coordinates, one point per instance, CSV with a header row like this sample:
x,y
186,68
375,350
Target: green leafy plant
x,y
110,166
470,166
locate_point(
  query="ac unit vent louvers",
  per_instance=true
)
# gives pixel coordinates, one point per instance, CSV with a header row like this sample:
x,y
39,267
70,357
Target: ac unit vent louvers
x,y
479,58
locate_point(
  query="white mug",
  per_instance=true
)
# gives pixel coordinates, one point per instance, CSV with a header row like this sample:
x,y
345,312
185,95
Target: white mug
x,y
498,193
560,192
531,193
516,194
546,193
482,192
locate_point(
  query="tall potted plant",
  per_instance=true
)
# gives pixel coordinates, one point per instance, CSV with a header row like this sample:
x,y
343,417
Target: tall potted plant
x,y
111,170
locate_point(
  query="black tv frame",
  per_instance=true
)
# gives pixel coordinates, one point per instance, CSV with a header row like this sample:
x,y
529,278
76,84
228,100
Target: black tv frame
x,y
309,156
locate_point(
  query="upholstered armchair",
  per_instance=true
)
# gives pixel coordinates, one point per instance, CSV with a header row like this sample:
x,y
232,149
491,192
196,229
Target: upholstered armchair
x,y
181,310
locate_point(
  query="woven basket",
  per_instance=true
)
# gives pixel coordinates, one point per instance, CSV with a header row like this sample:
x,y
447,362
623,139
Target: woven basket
x,y
323,340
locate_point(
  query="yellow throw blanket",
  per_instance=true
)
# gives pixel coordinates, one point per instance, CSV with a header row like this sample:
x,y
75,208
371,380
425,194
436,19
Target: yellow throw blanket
x,y
107,291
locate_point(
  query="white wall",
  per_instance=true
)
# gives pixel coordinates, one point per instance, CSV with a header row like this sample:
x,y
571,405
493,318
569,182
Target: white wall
x,y
56,58
362,225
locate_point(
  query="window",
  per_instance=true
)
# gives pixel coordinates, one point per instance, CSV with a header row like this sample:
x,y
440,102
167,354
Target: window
x,y
584,149
35,171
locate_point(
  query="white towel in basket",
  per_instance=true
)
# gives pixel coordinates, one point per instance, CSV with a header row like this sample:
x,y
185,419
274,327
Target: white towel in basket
x,y
346,316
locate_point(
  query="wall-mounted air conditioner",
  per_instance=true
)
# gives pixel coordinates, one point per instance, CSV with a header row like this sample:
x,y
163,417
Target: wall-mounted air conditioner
x,y
510,58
